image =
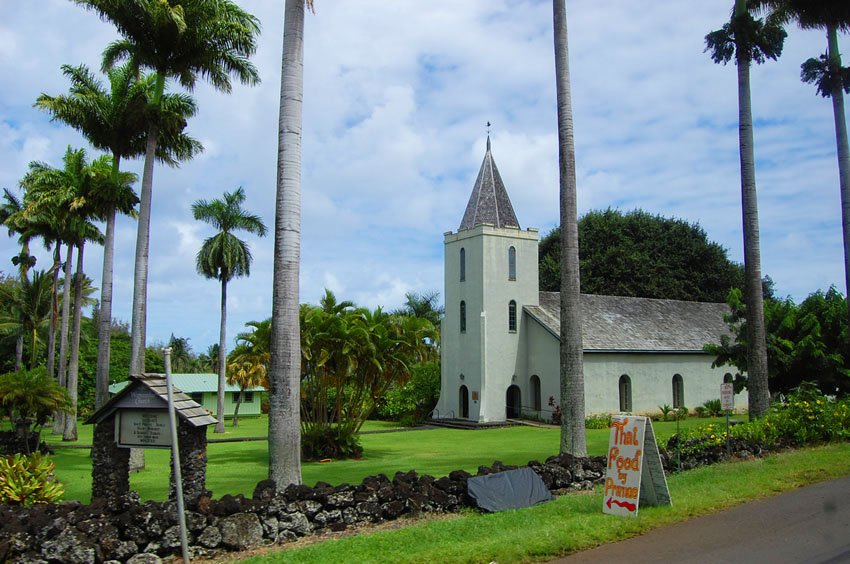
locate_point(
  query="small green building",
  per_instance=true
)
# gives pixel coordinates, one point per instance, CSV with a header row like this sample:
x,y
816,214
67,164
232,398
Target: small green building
x,y
202,388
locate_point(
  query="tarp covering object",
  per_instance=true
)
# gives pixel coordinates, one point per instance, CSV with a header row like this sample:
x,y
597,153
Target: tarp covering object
x,y
513,489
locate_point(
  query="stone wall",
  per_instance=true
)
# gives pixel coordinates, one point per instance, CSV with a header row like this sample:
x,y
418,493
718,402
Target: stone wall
x,y
121,528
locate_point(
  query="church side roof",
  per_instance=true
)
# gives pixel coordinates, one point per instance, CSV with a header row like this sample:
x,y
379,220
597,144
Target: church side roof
x,y
489,202
623,324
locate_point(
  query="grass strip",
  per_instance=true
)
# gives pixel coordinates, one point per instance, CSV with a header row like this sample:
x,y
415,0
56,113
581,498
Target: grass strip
x,y
575,522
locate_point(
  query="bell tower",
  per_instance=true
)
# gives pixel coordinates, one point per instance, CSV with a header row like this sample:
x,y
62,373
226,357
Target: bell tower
x,y
491,272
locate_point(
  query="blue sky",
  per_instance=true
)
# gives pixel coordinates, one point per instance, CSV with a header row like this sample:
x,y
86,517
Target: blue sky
x,y
397,95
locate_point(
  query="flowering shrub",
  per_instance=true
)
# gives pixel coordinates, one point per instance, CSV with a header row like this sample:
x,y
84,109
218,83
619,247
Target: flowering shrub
x,y
25,480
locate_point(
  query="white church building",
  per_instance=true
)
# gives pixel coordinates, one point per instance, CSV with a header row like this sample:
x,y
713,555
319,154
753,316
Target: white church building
x,y
500,335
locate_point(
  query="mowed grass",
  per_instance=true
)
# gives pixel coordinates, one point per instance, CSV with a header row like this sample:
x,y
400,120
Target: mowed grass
x,y
237,467
573,522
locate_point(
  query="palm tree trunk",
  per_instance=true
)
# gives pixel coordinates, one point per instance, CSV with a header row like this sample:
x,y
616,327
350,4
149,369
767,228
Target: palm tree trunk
x,y
19,352
70,431
572,368
140,278
54,312
285,365
104,332
222,338
841,143
59,418
238,403
759,394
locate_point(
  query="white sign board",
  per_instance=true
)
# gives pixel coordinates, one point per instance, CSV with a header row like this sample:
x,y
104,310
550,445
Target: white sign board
x,y
727,396
142,428
634,472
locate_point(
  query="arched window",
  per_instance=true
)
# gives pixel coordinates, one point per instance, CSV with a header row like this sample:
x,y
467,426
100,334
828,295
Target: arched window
x,y
462,264
535,393
512,263
463,316
512,316
678,391
727,378
463,402
625,393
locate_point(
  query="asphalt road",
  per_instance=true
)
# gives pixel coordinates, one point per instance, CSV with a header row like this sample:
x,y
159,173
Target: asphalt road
x,y
809,525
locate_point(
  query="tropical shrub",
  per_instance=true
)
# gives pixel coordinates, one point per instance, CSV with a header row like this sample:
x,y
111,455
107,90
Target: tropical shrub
x,y
556,411
665,410
413,401
602,421
713,408
30,397
28,479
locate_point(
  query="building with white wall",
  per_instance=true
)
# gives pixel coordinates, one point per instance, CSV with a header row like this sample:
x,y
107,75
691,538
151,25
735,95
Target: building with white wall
x,y
500,335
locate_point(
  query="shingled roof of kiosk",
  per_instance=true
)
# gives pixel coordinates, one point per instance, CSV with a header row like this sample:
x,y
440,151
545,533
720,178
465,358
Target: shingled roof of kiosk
x,y
149,391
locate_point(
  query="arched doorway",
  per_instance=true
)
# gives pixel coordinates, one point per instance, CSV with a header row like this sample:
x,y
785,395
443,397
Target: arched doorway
x,y
463,403
513,401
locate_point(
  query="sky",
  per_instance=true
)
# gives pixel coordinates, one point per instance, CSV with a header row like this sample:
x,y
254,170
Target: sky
x,y
397,96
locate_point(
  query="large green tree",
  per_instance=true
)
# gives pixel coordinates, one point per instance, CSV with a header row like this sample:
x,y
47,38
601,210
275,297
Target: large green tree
x,y
223,257
285,363
571,365
832,81
115,120
181,40
749,40
643,255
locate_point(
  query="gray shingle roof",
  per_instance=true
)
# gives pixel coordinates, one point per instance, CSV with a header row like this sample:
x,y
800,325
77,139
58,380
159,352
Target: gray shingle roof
x,y
617,323
489,202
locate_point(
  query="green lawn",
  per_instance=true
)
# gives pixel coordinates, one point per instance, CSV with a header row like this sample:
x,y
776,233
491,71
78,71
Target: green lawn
x,y
237,467
573,522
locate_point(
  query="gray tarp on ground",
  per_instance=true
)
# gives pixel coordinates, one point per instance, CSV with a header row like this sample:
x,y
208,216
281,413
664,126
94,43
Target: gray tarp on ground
x,y
513,489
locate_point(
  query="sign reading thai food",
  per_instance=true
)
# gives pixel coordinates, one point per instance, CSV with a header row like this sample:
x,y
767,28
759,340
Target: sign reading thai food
x,y
143,428
634,472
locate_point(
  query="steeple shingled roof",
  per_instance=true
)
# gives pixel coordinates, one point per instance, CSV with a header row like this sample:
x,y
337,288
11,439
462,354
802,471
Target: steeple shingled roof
x,y
489,202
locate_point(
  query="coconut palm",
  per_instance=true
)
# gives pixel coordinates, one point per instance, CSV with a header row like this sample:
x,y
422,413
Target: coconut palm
x,y
572,367
210,39
223,257
114,120
749,40
284,370
247,368
831,79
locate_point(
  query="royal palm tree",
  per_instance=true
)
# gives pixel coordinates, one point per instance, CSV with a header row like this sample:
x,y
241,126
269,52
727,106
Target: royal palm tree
x,y
224,256
749,40
114,120
572,368
285,366
832,81
210,39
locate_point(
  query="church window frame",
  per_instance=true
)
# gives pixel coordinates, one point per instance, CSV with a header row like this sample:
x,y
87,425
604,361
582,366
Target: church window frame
x,y
625,393
512,263
678,391
462,264
536,396
462,316
512,321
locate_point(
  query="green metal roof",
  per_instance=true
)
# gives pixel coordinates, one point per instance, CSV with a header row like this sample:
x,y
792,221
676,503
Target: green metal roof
x,y
193,383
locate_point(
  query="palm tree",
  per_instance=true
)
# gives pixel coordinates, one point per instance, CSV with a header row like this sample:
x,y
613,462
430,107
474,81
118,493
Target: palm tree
x,y
749,40
223,257
30,308
832,81
211,39
246,368
115,121
285,366
572,367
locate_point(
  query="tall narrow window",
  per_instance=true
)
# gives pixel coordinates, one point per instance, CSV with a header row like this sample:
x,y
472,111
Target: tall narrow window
x,y
512,316
678,391
462,264
625,393
512,263
535,393
463,317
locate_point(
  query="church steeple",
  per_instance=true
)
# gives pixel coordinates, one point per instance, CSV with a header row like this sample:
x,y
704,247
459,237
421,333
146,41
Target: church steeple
x,y
489,202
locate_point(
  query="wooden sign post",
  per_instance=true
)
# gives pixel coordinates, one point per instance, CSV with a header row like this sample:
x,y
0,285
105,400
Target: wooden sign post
x,y
634,474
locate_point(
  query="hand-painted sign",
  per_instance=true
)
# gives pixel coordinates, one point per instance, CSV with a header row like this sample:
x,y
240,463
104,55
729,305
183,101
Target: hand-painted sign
x,y
727,396
144,428
634,473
